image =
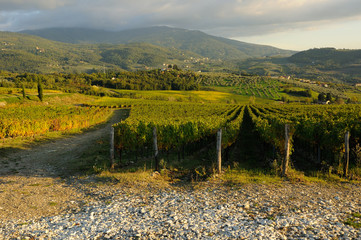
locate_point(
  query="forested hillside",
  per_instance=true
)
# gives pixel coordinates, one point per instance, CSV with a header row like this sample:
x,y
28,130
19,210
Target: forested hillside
x,y
324,64
25,53
189,50
188,40
330,64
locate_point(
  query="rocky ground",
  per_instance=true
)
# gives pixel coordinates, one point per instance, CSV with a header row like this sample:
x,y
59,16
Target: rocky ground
x,y
38,202
289,211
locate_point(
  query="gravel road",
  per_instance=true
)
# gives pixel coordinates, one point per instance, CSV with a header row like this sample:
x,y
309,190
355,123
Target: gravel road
x,y
289,211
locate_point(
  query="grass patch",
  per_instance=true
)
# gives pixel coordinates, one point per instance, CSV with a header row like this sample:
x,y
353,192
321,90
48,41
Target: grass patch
x,y
320,177
133,179
243,176
35,185
327,178
53,204
354,220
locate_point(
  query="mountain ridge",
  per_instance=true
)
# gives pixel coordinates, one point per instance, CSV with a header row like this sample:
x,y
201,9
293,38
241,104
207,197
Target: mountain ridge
x,y
20,52
188,40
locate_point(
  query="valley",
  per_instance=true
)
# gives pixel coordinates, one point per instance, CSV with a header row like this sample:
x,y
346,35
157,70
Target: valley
x,y
161,132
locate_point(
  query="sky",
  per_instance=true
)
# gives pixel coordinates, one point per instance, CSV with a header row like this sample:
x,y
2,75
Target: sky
x,y
287,24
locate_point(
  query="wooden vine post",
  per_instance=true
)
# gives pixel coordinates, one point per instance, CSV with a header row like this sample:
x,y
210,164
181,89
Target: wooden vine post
x,y
347,153
112,162
287,150
155,142
219,151
319,153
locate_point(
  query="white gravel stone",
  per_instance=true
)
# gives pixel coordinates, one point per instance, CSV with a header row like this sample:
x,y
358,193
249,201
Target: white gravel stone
x,y
288,212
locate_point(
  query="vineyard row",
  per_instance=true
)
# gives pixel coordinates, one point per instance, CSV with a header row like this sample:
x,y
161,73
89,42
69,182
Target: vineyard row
x,y
311,127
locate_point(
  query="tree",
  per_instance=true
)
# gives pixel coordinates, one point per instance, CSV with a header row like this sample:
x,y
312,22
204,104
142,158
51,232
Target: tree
x,y
40,90
23,91
328,97
284,99
322,97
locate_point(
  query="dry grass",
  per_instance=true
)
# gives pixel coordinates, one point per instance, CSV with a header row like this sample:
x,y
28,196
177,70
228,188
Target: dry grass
x,y
136,179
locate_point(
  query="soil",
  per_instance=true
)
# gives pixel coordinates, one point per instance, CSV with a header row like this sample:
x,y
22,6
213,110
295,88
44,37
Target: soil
x,y
44,180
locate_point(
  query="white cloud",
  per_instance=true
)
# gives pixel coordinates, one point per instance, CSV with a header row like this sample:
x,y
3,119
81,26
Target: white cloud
x,y
228,18
16,5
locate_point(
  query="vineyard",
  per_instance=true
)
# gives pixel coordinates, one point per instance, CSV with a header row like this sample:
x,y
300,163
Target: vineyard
x,y
254,133
276,88
246,85
317,133
187,126
177,124
32,120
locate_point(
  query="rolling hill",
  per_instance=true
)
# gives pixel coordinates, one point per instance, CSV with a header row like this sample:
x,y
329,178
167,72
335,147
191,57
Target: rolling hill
x,y
188,40
85,50
327,56
27,53
324,64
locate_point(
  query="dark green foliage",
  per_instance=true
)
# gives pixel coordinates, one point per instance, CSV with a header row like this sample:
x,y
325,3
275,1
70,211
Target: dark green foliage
x,y
322,97
148,80
301,93
84,83
328,97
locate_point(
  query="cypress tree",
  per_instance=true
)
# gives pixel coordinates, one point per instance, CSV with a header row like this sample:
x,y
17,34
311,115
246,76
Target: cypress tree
x,y
40,90
23,91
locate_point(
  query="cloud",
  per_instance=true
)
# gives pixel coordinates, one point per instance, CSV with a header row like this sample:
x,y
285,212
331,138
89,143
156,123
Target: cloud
x,y
227,18
16,5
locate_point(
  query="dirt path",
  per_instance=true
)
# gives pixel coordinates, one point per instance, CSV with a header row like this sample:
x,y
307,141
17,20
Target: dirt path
x,y
44,180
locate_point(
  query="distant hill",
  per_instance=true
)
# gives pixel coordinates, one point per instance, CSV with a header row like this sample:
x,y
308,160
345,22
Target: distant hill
x,y
26,53
330,64
96,50
324,64
187,40
327,56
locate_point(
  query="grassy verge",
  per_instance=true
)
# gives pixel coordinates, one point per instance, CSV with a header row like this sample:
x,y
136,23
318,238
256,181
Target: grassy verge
x,y
242,176
197,172
139,179
354,220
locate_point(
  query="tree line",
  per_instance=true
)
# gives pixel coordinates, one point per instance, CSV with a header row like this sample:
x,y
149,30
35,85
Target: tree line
x,y
169,79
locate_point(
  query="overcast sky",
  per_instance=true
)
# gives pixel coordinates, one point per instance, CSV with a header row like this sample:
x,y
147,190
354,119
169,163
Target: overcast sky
x,y
288,24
